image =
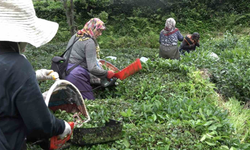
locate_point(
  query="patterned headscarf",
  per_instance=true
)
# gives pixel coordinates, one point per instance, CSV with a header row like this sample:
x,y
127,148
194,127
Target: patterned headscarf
x,y
170,24
91,27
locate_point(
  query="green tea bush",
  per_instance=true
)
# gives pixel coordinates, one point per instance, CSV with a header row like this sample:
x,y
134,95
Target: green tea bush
x,y
230,72
168,104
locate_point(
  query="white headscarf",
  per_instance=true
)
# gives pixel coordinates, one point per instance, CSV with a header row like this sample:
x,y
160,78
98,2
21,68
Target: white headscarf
x,y
170,24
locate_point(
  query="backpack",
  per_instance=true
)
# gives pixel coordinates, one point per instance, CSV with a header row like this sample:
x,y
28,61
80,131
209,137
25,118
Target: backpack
x,y
60,64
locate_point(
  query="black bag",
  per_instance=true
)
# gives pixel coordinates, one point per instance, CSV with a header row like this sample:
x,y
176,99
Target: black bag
x,y
59,64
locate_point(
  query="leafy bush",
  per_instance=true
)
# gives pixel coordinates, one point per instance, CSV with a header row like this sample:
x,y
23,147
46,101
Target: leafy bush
x,y
168,104
230,72
139,17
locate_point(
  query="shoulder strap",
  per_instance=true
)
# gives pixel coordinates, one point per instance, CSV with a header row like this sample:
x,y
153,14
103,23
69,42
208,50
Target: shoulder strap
x,y
188,40
69,70
175,30
70,47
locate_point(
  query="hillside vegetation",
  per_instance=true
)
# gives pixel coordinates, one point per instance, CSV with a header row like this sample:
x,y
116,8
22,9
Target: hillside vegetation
x,y
187,104
199,102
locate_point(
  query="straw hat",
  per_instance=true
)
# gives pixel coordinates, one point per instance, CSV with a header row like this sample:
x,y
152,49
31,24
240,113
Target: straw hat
x,y
19,23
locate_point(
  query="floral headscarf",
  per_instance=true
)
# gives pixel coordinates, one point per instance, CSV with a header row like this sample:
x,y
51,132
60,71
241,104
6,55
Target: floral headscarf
x,y
170,24
91,27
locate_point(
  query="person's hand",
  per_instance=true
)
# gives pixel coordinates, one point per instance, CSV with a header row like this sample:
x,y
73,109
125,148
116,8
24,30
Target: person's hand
x,y
44,74
192,46
197,44
110,74
67,131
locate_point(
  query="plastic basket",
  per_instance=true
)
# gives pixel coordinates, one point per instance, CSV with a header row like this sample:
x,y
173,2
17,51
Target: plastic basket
x,y
108,65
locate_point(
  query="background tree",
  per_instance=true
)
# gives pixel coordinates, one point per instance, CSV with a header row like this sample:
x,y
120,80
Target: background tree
x,y
69,11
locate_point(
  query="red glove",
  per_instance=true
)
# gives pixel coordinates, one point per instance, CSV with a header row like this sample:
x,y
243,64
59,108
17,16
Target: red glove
x,y
110,74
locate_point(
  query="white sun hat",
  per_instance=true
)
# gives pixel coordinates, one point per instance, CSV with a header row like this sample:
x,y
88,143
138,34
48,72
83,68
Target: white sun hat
x,y
19,23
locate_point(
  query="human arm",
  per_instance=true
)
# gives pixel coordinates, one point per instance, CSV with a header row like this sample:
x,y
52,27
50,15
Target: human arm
x,y
179,36
43,74
90,52
30,105
186,46
39,121
197,44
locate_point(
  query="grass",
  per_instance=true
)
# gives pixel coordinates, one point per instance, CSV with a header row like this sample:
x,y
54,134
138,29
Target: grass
x,y
239,115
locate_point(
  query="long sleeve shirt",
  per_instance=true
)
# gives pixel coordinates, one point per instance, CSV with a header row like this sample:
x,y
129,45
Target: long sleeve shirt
x,y
170,38
23,111
84,51
188,44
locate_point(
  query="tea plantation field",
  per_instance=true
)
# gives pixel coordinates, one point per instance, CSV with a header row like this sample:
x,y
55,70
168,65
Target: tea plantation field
x,y
199,102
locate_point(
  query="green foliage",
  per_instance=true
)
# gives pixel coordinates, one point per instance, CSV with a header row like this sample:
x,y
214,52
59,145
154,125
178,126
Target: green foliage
x,y
169,104
150,40
50,10
229,73
140,17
